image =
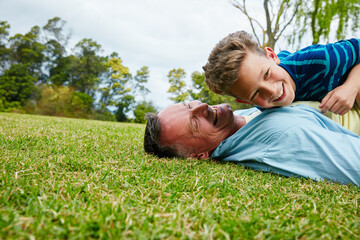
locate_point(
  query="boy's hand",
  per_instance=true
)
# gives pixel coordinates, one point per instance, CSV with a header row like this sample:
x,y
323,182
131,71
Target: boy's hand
x,y
357,99
340,100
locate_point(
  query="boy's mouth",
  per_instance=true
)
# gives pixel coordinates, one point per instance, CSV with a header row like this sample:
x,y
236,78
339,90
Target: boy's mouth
x,y
282,94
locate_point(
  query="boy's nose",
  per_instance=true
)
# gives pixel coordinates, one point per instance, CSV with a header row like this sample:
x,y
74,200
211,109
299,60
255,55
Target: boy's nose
x,y
268,91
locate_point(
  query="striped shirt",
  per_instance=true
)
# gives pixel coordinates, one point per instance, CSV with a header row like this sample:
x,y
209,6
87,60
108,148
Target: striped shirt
x,y
318,69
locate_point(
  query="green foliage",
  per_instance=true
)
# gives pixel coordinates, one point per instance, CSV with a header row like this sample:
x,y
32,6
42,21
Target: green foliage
x,y
200,91
80,105
4,32
16,86
4,51
141,109
327,18
323,19
177,85
28,50
52,100
278,15
104,115
123,106
54,31
67,178
62,70
115,81
89,66
139,81
61,101
73,79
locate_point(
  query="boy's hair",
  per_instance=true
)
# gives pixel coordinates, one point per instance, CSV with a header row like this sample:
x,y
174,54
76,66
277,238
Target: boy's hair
x,y
152,143
222,68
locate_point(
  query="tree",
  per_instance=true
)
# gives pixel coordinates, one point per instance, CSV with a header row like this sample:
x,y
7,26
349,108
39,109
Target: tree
x,y
278,14
89,67
139,81
200,91
123,106
28,51
62,70
177,85
141,109
114,81
327,19
80,105
16,86
58,64
320,17
4,51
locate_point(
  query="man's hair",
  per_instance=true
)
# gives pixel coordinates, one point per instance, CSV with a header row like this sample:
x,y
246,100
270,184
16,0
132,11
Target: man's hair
x,y
222,68
152,140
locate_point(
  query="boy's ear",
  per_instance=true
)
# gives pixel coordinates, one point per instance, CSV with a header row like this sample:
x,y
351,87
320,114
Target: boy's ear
x,y
241,101
271,54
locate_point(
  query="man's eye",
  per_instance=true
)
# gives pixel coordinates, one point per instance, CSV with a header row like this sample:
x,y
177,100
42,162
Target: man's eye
x,y
195,124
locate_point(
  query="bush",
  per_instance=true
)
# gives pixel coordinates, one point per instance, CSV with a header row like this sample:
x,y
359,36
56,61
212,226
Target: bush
x,y
53,100
141,109
80,105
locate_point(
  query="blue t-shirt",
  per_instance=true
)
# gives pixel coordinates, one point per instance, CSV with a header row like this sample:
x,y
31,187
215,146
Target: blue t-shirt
x,y
295,141
318,69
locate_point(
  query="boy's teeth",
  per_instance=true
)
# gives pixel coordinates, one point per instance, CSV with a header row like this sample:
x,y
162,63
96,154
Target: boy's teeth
x,y
281,93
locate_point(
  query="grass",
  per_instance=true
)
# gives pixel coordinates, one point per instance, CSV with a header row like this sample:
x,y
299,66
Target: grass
x,y
67,178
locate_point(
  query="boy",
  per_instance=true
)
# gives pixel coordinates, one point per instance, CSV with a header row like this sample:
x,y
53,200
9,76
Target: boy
x,y
238,67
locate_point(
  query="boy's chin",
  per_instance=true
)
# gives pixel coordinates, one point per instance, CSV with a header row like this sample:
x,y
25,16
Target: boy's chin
x,y
283,103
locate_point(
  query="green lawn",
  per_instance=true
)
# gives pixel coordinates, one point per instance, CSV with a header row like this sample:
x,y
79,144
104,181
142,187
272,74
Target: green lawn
x,y
79,179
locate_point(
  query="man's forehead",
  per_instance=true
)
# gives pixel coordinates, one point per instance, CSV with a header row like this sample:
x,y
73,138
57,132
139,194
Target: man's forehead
x,y
171,109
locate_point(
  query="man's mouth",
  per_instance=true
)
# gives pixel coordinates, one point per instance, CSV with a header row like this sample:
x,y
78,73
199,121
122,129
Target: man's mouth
x,y
281,95
216,114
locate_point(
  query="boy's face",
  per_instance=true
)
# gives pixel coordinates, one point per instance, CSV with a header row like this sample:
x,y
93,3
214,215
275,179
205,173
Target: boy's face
x,y
262,82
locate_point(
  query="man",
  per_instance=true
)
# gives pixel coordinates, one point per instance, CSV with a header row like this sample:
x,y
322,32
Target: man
x,y
292,141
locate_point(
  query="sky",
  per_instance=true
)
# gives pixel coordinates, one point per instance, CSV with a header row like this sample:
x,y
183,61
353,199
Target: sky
x,y
160,34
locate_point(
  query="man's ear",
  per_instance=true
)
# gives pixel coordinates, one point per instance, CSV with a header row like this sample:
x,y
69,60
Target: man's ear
x,y
242,101
204,155
271,54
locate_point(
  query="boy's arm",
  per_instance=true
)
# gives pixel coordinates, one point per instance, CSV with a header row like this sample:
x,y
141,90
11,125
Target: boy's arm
x,y
341,99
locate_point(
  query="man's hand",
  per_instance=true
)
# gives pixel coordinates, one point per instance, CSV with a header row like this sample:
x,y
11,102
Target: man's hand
x,y
340,100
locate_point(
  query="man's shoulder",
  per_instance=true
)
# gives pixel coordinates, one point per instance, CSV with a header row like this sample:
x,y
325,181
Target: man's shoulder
x,y
285,118
293,111
275,121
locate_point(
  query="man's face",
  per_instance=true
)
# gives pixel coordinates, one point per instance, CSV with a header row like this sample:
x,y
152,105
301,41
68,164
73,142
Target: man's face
x,y
262,82
197,126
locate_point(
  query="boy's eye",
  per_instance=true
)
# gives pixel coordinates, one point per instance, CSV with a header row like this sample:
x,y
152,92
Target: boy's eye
x,y
266,74
254,95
